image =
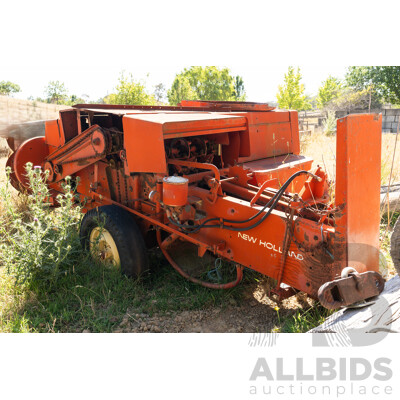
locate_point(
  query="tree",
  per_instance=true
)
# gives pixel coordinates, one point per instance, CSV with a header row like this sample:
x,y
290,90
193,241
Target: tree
x,y
206,83
351,99
181,90
291,94
56,93
329,90
239,93
383,81
159,92
7,88
130,91
74,99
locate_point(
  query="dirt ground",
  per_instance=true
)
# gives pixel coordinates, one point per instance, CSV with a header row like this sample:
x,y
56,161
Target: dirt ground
x,y
256,313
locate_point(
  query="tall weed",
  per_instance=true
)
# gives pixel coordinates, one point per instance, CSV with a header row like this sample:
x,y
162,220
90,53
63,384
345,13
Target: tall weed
x,y
39,242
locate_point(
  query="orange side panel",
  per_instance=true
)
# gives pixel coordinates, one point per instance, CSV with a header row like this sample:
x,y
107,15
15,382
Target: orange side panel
x,y
269,140
294,124
358,179
144,135
53,136
144,145
270,134
198,124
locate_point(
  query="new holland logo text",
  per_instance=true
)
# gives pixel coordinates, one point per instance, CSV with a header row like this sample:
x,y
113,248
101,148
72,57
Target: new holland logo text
x,y
269,246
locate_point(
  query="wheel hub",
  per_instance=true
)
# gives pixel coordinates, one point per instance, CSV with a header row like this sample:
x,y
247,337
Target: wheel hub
x,y
103,247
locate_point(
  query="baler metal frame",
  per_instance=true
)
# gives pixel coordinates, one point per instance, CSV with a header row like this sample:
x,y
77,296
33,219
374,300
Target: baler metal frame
x,y
240,162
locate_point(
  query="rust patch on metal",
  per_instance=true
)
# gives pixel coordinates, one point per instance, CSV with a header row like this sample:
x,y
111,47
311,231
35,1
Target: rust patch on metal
x,y
346,291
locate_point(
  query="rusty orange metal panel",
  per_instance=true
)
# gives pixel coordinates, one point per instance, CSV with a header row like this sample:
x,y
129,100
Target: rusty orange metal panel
x,y
256,118
261,248
195,123
53,135
282,168
189,124
358,175
295,139
269,134
144,135
230,105
144,145
269,140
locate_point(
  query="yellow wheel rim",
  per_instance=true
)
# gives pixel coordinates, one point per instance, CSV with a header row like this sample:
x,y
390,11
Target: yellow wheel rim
x,y
103,247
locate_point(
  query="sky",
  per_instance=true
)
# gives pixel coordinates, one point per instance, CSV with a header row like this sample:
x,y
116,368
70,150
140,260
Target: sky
x,y
87,44
261,82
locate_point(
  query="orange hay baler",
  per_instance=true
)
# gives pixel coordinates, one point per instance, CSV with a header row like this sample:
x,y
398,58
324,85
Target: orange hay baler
x,y
226,180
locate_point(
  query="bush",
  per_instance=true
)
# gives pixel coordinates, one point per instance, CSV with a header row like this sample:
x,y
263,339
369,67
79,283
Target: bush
x,y
330,123
38,242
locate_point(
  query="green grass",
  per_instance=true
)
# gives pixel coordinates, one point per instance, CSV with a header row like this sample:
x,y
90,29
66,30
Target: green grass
x,y
95,298
304,320
48,284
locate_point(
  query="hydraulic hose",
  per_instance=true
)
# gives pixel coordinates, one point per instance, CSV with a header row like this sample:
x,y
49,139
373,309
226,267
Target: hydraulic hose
x,y
274,200
170,239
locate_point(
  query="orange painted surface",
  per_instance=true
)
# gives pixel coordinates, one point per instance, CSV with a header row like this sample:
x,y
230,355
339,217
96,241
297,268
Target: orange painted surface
x,y
229,105
358,181
53,135
148,131
281,168
175,191
269,135
34,151
122,153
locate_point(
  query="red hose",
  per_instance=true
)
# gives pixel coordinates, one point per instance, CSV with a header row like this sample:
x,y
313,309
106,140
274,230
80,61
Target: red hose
x,y
170,239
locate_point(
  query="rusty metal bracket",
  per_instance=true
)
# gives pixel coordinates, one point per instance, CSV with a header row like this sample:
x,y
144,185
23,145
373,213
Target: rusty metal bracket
x,y
283,292
267,183
351,289
286,246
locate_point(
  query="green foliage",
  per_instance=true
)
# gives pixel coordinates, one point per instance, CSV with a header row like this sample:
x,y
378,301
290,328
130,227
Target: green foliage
x,y
384,81
350,99
206,83
181,90
311,102
98,298
36,244
56,93
329,90
130,91
239,92
359,78
291,94
329,123
159,92
7,88
304,320
74,99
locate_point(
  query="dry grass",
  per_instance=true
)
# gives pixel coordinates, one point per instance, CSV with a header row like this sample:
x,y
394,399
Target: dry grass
x,y
4,150
322,149
3,147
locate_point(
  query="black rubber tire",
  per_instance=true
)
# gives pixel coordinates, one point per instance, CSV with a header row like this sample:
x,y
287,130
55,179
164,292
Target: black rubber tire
x,y
395,246
126,234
